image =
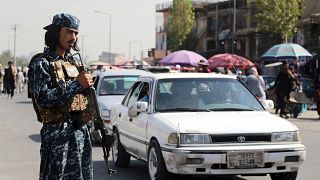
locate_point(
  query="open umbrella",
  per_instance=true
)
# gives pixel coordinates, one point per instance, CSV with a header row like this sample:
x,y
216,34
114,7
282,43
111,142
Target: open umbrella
x,y
286,50
273,64
183,58
229,60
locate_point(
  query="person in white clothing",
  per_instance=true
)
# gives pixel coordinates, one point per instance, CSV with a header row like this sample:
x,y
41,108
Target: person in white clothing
x,y
20,81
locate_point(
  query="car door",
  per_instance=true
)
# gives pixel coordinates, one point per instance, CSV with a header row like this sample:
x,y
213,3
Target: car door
x,y
137,127
123,117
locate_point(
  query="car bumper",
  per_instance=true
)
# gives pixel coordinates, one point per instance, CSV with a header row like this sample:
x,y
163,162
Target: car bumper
x,y
213,160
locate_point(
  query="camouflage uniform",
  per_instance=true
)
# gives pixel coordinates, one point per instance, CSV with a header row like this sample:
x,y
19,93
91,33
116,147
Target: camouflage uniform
x,y
65,151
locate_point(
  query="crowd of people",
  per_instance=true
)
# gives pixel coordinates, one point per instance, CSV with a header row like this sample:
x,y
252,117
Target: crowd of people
x,y
287,81
12,80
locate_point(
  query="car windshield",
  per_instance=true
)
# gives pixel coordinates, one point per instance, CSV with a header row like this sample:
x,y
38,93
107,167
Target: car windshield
x,y
116,85
204,94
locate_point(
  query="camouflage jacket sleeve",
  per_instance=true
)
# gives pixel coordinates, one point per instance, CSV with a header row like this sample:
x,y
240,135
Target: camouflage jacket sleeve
x,y
45,95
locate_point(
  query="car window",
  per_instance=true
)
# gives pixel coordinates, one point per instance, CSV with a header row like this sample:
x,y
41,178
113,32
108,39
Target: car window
x,y
145,92
134,94
116,85
209,94
128,94
96,81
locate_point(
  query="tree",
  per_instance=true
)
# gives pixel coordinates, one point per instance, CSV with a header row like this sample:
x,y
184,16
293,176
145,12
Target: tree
x,y
7,56
180,24
279,16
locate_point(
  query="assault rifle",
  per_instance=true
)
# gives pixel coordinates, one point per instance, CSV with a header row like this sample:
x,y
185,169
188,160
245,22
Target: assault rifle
x,y
105,138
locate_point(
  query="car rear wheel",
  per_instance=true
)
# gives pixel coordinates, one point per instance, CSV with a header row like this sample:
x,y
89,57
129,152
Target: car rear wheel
x,y
284,176
156,166
121,158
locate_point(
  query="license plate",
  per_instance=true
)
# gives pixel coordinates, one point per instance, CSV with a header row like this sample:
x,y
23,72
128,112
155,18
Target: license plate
x,y
245,160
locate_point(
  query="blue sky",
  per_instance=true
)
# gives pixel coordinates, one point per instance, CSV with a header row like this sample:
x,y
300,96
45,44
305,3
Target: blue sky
x,y
132,21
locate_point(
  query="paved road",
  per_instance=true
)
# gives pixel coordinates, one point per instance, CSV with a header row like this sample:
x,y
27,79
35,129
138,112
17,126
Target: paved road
x,y
20,142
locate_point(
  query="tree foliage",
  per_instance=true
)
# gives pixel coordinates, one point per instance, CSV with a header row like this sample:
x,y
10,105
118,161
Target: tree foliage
x,y
279,16
7,56
180,23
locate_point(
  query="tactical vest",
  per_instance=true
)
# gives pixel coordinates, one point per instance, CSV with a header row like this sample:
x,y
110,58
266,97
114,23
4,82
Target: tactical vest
x,y
60,72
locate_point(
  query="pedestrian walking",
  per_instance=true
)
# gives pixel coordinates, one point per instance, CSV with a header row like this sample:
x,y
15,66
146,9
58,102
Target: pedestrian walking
x,y
20,81
283,85
256,84
1,79
56,88
9,79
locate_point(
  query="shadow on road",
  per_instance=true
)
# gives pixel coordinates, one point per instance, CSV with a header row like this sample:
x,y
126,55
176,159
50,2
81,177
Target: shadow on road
x,y
24,102
138,171
301,119
35,137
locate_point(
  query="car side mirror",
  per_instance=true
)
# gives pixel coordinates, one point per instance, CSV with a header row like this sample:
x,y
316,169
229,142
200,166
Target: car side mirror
x,y
267,104
136,108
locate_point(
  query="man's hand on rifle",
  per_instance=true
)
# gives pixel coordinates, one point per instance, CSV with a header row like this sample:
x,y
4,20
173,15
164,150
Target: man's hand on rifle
x,y
85,79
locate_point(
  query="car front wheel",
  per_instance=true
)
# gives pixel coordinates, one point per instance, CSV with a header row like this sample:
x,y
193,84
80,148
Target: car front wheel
x,y
284,176
156,165
121,158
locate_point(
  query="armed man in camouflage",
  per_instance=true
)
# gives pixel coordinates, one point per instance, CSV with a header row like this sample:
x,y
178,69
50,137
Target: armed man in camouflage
x,y
56,87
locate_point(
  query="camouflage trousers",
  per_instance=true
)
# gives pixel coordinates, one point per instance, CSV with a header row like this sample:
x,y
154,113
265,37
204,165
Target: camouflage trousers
x,y
65,152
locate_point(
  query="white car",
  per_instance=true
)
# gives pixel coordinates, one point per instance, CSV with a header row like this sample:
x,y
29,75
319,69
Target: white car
x,y
203,124
111,86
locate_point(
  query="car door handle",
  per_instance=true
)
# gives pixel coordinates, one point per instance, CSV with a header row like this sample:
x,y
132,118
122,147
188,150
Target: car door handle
x,y
119,115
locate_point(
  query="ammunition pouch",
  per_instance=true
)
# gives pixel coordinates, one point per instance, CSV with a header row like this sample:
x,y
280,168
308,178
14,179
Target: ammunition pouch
x,y
60,72
51,115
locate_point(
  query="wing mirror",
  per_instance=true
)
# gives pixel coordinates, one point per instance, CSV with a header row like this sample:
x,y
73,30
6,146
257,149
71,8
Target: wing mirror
x,y
137,107
267,104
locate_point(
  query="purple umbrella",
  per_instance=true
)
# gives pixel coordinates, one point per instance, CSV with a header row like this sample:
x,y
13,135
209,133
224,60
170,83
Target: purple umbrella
x,y
183,58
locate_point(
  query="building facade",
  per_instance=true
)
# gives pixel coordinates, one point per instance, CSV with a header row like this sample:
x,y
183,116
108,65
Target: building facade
x,y
229,26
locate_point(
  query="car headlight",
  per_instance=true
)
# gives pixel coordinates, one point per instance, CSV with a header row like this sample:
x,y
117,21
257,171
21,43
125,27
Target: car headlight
x,y
292,136
173,138
105,114
195,139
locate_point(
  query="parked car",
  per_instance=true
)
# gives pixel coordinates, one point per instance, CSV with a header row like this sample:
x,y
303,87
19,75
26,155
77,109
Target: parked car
x,y
112,85
203,124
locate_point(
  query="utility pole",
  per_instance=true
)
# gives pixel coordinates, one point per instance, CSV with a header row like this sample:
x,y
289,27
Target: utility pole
x,y
217,19
14,46
234,25
129,56
110,19
130,44
141,55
